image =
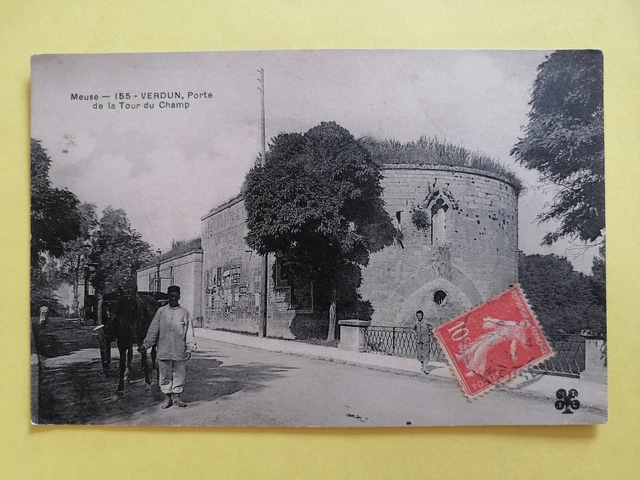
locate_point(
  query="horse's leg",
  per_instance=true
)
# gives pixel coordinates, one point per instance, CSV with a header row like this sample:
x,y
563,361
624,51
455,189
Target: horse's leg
x,y
122,348
127,370
154,363
105,355
145,367
108,356
147,378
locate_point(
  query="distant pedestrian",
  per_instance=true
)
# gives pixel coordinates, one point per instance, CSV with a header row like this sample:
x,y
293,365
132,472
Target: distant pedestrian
x,y
44,315
423,337
172,330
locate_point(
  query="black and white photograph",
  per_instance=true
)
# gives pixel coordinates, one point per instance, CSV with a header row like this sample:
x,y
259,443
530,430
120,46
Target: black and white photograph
x,y
271,238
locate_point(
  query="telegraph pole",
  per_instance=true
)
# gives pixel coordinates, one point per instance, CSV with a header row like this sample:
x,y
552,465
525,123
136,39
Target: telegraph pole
x,y
158,279
262,330
261,88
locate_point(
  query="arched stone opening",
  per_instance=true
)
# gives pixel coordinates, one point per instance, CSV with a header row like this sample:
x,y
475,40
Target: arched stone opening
x,y
423,299
420,292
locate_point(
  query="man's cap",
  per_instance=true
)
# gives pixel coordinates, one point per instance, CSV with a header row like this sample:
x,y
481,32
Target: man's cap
x,y
173,288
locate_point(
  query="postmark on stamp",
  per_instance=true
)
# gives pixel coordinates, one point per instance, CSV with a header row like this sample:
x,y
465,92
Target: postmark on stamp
x,y
492,342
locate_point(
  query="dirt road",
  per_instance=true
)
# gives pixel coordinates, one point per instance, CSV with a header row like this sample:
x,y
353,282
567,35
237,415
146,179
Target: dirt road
x,y
230,385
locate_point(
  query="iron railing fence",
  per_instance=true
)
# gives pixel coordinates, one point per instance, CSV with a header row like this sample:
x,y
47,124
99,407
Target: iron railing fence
x,y
569,358
400,342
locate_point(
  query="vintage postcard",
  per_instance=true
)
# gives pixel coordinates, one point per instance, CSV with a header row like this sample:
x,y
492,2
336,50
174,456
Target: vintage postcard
x,y
318,238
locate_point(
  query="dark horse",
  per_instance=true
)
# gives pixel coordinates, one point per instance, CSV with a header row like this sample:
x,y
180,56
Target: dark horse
x,y
126,321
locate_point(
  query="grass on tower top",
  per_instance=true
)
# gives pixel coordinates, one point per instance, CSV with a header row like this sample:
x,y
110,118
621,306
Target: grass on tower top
x,y
432,151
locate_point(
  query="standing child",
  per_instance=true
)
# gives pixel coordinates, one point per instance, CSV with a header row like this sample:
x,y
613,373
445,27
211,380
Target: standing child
x,y
423,331
44,315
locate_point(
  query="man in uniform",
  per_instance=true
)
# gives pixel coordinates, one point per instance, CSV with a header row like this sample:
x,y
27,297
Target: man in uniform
x,y
172,330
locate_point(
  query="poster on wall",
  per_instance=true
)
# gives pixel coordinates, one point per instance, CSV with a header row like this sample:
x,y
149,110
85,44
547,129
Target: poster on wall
x,y
440,215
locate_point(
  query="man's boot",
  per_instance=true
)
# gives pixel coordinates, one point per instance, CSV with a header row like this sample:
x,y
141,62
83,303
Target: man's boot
x,y
177,401
167,401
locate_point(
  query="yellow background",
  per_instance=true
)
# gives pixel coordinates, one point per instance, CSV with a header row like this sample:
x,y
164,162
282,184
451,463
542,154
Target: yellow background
x,y
40,26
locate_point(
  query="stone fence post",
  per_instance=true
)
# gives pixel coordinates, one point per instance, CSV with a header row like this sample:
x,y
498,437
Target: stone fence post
x,y
595,353
352,335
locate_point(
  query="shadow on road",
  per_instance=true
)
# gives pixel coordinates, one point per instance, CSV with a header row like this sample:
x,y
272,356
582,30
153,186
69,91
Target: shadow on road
x,y
74,391
62,337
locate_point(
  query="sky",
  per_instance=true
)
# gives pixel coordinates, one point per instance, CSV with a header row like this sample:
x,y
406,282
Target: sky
x,y
168,167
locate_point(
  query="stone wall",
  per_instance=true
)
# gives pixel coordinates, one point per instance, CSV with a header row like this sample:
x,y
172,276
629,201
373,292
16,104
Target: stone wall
x,y
466,254
232,285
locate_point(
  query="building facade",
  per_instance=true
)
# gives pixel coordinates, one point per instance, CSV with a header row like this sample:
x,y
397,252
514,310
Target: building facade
x,y
458,247
232,281
184,270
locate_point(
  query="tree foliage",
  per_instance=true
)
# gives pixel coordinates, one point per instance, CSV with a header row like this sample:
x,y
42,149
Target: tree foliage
x,y
55,218
119,251
599,277
66,235
317,204
564,300
564,142
76,252
45,279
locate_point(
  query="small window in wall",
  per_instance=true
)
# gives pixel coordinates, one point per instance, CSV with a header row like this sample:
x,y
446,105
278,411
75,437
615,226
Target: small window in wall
x,y
280,276
399,228
439,297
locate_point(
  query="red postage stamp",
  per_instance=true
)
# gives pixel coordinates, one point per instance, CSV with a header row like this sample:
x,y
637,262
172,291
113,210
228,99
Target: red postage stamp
x,y
494,341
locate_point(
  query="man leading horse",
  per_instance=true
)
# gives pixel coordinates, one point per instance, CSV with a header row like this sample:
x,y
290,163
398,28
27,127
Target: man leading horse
x,y
172,331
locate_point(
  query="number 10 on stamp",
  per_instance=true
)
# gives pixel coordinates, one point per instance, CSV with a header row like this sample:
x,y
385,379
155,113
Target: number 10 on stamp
x,y
493,342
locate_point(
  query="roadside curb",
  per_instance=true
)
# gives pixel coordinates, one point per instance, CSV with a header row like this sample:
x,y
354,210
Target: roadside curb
x,y
440,373
252,342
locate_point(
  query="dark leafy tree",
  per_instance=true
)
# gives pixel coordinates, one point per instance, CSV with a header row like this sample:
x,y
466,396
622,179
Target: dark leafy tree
x,y
562,298
564,142
55,218
119,252
599,277
317,205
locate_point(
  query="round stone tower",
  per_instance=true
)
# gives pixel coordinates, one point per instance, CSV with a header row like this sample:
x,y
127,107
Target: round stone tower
x,y
458,248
